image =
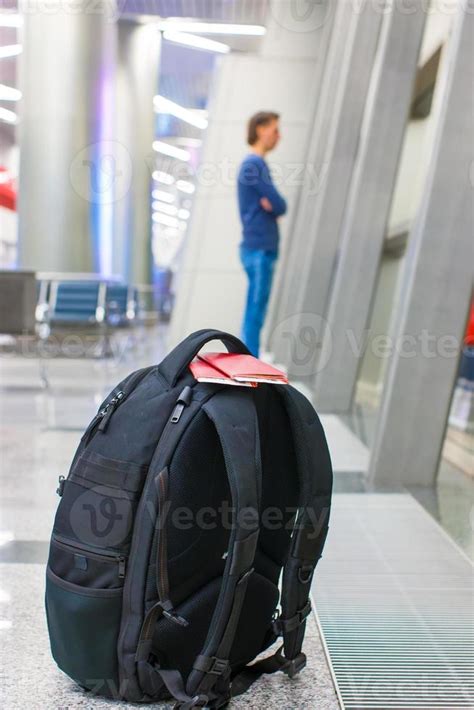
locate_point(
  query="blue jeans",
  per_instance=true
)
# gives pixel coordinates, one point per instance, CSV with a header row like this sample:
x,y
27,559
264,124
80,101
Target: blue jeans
x,y
259,266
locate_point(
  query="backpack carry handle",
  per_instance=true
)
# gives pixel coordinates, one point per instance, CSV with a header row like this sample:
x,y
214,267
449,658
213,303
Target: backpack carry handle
x,y
183,354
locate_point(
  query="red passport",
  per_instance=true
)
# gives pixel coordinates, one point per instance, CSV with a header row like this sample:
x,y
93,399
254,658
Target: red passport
x,y
203,372
244,368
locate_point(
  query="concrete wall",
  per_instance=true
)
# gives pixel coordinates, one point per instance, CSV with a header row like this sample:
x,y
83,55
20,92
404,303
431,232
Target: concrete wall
x,y
283,76
418,144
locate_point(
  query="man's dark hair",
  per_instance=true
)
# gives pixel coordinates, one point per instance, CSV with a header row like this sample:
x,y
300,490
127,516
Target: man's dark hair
x,y
262,118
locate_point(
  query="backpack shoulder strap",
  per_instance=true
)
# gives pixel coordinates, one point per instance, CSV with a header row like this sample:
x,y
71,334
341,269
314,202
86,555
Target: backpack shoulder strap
x,y
234,416
309,535
312,524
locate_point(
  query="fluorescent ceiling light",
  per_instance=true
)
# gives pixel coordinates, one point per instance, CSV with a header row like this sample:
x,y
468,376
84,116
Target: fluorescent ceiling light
x,y
164,178
186,186
196,42
183,214
162,195
164,207
8,116
171,150
212,28
164,105
10,20
10,50
164,219
9,93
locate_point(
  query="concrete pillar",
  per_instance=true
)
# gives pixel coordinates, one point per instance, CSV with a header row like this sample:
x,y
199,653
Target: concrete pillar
x,y
137,83
437,285
316,233
66,75
369,200
297,245
283,76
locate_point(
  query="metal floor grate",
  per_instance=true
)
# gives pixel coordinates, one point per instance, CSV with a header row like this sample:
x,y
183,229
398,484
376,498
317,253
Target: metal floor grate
x,y
395,605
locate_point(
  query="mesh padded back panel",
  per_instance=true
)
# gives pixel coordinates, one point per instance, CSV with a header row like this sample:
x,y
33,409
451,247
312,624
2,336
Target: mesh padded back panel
x,y
198,535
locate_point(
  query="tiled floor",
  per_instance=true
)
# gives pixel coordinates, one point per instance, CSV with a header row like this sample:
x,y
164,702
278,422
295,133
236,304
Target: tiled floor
x,y
39,432
30,679
450,501
349,454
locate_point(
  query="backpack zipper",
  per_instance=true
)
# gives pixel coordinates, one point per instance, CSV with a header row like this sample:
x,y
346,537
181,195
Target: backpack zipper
x,y
162,577
183,401
101,420
174,419
109,409
168,431
102,556
61,484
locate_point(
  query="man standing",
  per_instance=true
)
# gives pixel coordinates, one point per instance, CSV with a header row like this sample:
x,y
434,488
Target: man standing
x,y
260,206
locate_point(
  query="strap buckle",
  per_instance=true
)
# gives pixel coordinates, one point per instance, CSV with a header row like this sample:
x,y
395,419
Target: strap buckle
x,y
285,626
290,666
211,665
305,573
219,666
294,666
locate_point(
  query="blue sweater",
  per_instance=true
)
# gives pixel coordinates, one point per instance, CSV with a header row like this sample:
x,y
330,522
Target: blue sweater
x,y
259,227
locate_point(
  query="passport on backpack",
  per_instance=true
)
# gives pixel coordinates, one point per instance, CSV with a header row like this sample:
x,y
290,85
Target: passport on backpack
x,y
236,369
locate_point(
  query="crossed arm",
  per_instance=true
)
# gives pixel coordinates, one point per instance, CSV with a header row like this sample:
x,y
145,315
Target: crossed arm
x,y
270,198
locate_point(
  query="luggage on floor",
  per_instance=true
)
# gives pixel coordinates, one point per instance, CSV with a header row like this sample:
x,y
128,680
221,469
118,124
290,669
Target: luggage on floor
x,y
184,505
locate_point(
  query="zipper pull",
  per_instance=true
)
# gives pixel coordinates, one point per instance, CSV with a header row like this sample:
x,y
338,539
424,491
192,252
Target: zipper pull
x,y
122,563
170,613
184,400
88,432
173,616
60,488
108,410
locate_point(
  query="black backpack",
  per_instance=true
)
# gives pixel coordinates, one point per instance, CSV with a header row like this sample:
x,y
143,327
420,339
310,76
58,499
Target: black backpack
x,y
184,503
